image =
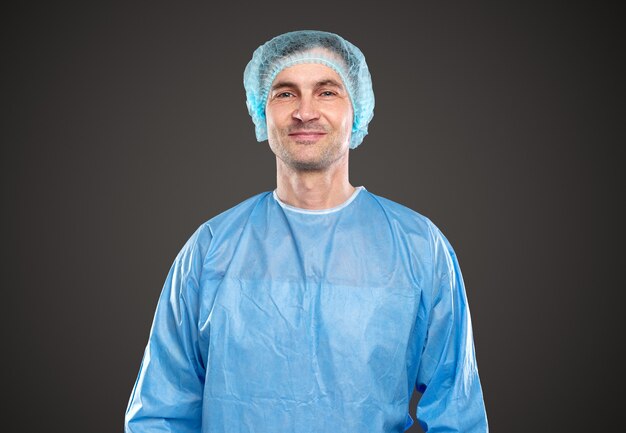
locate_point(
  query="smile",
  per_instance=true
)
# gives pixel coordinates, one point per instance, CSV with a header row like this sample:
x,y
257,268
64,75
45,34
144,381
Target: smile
x,y
307,136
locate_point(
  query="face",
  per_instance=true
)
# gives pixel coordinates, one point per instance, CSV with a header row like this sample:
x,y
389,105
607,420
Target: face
x,y
309,117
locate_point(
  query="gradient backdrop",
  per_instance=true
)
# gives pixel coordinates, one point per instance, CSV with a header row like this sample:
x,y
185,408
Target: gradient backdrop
x,y
125,127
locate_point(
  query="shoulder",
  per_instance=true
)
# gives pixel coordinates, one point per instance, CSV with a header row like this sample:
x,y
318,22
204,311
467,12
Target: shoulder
x,y
423,237
406,218
229,221
422,233
235,218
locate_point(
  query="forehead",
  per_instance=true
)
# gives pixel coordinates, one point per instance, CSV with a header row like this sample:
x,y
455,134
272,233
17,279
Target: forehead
x,y
311,62
307,74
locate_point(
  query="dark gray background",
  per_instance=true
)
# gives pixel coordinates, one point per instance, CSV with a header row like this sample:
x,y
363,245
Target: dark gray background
x,y
125,127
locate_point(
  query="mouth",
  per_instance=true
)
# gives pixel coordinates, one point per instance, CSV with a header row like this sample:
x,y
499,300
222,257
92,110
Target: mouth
x,y
308,136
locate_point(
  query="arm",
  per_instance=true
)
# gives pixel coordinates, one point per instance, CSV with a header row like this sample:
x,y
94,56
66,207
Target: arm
x,y
167,396
452,399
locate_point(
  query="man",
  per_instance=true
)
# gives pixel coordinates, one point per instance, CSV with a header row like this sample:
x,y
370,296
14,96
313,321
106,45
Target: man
x,y
317,307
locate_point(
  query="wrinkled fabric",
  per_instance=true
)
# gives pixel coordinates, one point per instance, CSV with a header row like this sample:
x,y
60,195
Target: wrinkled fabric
x,y
310,46
277,319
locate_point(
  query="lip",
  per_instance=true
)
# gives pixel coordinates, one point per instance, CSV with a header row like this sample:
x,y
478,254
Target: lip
x,y
307,135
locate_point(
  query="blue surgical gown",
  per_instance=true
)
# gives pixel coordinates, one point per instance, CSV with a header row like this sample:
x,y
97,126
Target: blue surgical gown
x,y
275,319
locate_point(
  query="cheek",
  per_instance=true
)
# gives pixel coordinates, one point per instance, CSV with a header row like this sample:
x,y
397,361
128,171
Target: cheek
x,y
348,120
345,113
273,118
268,118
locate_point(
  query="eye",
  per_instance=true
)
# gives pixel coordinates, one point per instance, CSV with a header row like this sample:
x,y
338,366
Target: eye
x,y
284,95
327,93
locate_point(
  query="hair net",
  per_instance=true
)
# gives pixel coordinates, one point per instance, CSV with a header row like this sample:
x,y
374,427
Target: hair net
x,y
304,46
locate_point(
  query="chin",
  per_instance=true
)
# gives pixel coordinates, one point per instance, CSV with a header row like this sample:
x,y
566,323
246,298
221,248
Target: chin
x,y
307,164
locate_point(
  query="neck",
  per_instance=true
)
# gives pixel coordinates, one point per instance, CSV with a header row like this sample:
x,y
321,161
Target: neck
x,y
322,189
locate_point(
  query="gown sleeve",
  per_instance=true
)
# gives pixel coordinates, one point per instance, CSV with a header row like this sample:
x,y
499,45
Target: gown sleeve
x,y
452,398
167,396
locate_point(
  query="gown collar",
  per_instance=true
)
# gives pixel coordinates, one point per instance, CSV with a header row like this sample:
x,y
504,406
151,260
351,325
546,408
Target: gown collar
x,y
337,208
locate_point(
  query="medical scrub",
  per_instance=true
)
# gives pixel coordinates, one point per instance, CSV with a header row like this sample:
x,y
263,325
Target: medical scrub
x,y
275,319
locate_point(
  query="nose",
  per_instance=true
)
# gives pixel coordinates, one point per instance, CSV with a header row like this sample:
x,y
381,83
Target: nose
x,y
306,109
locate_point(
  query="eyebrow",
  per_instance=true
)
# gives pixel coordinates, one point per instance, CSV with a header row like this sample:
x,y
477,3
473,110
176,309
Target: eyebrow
x,y
280,84
328,82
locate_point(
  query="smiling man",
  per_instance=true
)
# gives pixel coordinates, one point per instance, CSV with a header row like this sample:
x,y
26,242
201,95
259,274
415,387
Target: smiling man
x,y
300,96
317,307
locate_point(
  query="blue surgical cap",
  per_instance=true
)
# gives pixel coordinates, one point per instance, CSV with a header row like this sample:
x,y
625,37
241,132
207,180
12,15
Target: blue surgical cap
x,y
303,46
